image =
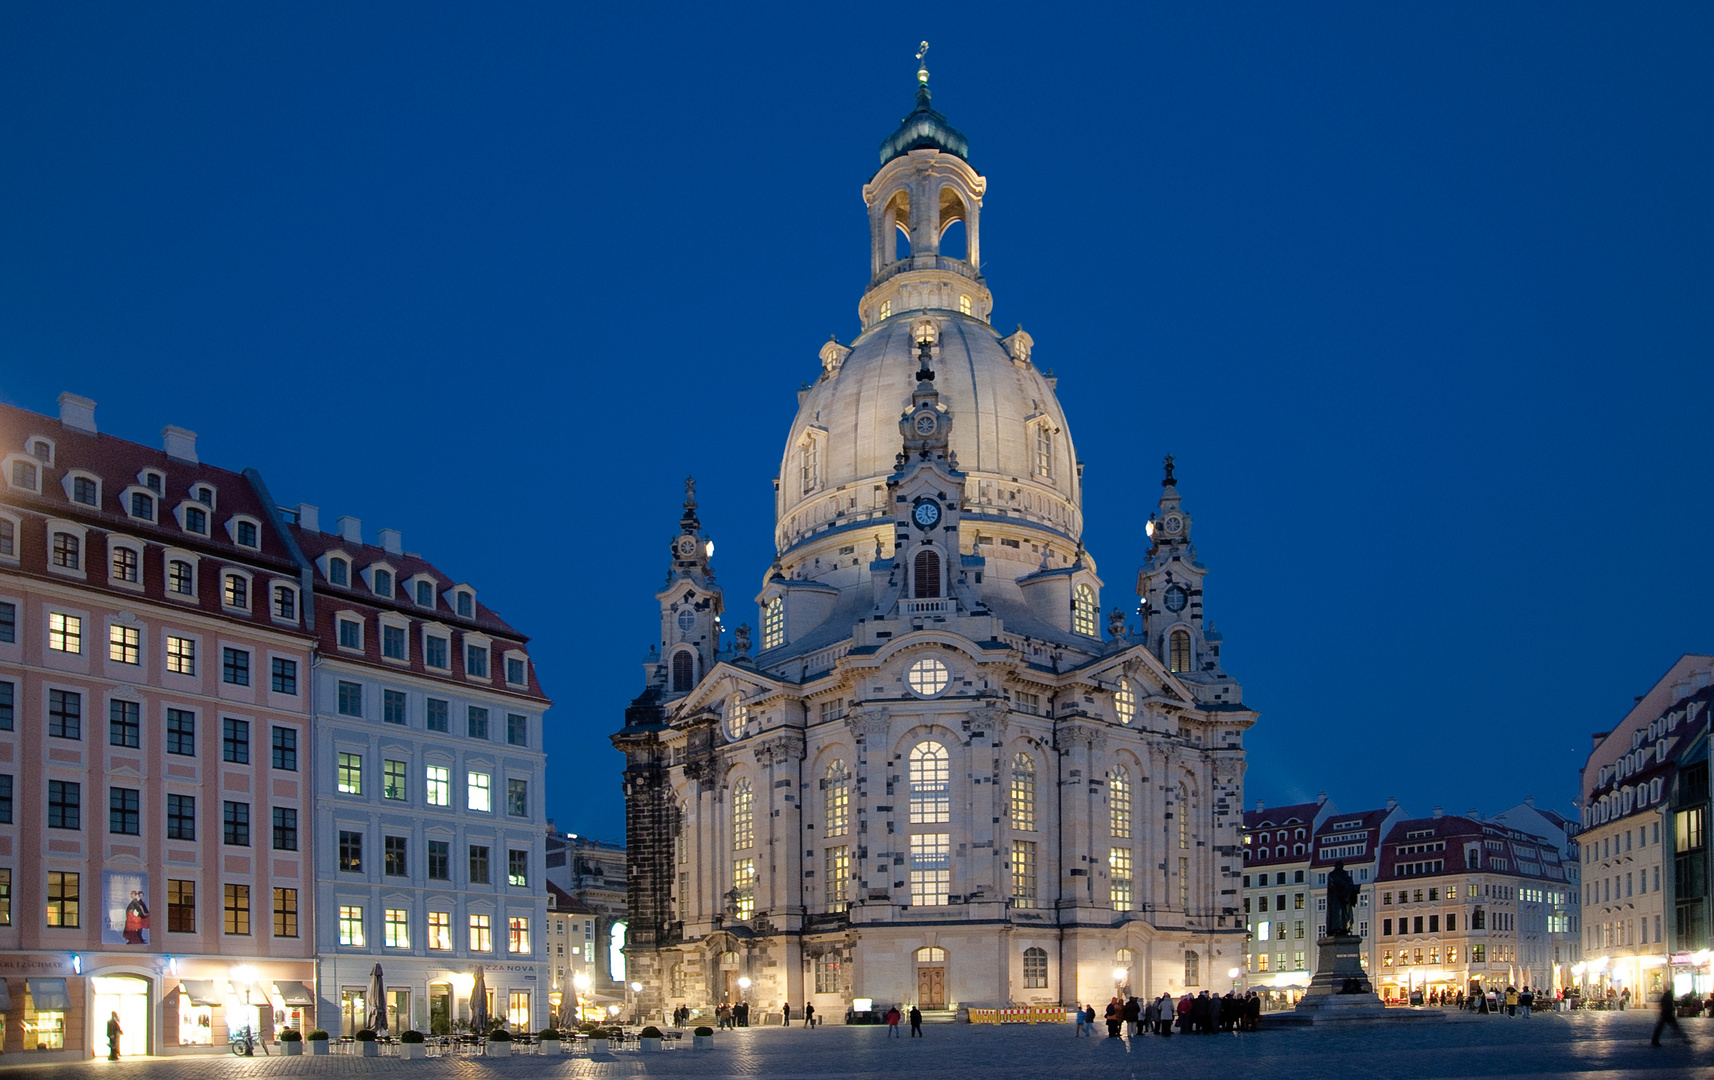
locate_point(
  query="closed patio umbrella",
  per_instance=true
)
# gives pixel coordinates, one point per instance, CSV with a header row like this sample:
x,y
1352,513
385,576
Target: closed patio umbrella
x,y
479,1018
376,1018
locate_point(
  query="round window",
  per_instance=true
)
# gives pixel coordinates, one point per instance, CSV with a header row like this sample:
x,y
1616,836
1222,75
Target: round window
x,y
1175,598
686,620
928,676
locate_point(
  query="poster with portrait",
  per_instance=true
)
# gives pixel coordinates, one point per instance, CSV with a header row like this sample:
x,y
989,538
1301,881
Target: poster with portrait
x,y
124,907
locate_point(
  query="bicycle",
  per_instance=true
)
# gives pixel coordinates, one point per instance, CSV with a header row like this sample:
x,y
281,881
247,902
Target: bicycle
x,y
243,1043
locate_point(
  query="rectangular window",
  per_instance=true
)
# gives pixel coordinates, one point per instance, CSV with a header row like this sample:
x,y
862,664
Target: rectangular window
x,y
235,740
196,521
285,829
181,817
396,928
350,852
440,929
237,592
350,634
237,909
286,749
515,671
395,856
8,616
518,937
181,906
235,666
350,699
517,797
393,784
5,798
351,925
181,732
236,822
285,913
66,551
179,576
285,676
124,645
440,860
1478,954
1119,867
439,786
65,899
125,565
434,653
1024,873
285,607
478,864
476,661
8,706
517,729
478,795
124,811
124,724
65,805
836,864
481,934
829,969
350,773
393,706
931,869
65,714
181,655
1687,830
478,722
393,642
436,717
744,886
517,867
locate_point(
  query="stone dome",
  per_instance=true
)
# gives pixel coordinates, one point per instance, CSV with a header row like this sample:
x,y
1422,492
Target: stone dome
x,y
1008,432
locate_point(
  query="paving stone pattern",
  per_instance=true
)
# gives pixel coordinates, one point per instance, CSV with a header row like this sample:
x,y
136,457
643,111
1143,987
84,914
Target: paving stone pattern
x,y
1591,1046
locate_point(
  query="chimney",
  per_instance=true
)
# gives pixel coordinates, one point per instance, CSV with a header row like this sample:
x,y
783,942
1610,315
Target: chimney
x,y
1320,797
1392,803
1439,812
77,413
309,517
392,541
1473,814
350,528
1529,801
1260,806
179,444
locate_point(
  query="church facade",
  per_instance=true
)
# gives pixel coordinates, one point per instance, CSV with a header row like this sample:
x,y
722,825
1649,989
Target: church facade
x,y
936,775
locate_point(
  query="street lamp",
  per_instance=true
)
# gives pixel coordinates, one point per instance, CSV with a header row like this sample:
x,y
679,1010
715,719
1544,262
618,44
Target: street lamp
x,y
581,982
246,975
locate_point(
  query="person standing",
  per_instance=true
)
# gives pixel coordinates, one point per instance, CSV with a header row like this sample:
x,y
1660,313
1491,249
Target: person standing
x,y
786,1014
1133,1012
916,1022
1668,1018
808,1014
893,1022
1526,998
114,1031
1115,1012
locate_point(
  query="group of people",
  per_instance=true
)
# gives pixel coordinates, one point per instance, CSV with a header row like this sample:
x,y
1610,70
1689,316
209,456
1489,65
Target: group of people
x,y
1204,1014
1511,1000
894,1016
729,1016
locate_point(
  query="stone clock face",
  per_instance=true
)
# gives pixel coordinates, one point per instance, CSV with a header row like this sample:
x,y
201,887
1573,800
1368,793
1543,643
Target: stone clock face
x,y
926,424
1175,599
687,546
1174,523
927,512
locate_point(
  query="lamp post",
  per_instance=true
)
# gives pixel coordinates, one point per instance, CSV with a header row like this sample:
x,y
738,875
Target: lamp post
x,y
580,982
246,975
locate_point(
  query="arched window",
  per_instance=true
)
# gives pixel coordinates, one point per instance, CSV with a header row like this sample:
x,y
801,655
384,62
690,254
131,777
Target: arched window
x,y
836,799
1125,702
1184,819
931,784
811,464
743,816
1192,968
930,954
1083,611
927,575
1119,802
66,551
774,624
1024,793
1035,969
1179,656
1044,451
684,672
898,212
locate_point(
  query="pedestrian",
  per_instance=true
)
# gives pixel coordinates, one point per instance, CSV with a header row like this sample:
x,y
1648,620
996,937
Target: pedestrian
x,y
808,1014
1668,1018
1526,998
786,1014
916,1022
1625,999
114,1031
1115,1013
1082,1023
1133,1012
1186,1005
893,1022
1166,1012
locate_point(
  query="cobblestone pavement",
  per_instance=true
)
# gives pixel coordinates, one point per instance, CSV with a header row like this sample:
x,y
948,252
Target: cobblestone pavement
x,y
1576,1047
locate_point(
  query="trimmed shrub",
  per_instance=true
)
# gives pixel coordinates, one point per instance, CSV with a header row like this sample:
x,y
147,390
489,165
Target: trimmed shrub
x,y
291,1035
651,1032
366,1035
548,1033
318,1035
411,1037
499,1034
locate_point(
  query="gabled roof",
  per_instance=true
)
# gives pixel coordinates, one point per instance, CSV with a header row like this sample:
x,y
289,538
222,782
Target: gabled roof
x,y
1454,844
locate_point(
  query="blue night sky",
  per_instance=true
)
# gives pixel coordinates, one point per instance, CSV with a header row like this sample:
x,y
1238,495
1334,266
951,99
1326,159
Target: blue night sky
x,y
1419,295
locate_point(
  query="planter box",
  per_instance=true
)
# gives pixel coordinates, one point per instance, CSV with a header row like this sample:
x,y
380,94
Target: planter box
x,y
599,1046
369,1049
650,1045
497,1049
413,1051
293,1049
702,1042
318,1047
552,1046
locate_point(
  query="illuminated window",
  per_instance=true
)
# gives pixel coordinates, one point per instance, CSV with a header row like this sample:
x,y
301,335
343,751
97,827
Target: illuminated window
x,y
478,795
837,872
1119,869
1083,611
65,901
1024,873
931,868
180,578
126,565
440,930
1119,802
744,886
481,933
931,784
439,786
237,909
964,305
181,655
396,928
350,774
237,591
518,937
1125,702
65,633
836,799
285,913
124,645
743,816
1024,793
1179,655
928,676
886,309
774,624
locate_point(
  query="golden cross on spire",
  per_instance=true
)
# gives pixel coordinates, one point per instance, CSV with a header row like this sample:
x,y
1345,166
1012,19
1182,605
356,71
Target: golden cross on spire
x,y
922,64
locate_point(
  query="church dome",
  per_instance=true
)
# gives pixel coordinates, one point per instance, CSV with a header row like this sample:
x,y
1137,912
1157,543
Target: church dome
x,y
1008,431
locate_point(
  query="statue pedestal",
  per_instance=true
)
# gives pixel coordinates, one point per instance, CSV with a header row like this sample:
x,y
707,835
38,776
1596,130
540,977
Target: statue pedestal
x,y
1340,988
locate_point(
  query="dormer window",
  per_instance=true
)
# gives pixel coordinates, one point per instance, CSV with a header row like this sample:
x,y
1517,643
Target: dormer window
x,y
26,475
245,532
205,495
181,577
42,450
466,604
350,632
517,673
154,481
476,661
339,571
196,520
85,490
383,582
236,593
285,603
67,551
142,506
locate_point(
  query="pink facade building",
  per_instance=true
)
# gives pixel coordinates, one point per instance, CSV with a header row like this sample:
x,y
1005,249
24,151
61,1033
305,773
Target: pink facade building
x,y
155,737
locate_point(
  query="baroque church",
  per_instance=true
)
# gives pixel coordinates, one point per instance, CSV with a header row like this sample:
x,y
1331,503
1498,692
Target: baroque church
x,y
938,775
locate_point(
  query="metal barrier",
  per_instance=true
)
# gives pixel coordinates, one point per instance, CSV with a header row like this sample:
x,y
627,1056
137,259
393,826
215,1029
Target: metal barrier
x,y
1035,1014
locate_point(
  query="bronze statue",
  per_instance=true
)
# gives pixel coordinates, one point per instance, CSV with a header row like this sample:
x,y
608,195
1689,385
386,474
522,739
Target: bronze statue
x,y
1341,901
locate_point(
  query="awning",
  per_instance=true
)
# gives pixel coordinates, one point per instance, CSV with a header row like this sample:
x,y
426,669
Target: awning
x,y
48,995
201,991
294,993
5,997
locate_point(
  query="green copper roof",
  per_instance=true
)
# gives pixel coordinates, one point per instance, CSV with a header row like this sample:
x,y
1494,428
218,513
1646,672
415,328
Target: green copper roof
x,y
924,129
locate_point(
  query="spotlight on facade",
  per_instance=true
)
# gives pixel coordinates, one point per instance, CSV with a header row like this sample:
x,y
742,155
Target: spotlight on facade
x,y
636,988
581,981
744,982
1120,974
1233,973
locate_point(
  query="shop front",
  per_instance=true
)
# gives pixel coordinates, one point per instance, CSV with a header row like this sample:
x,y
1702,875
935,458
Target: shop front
x,y
42,1005
207,1002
